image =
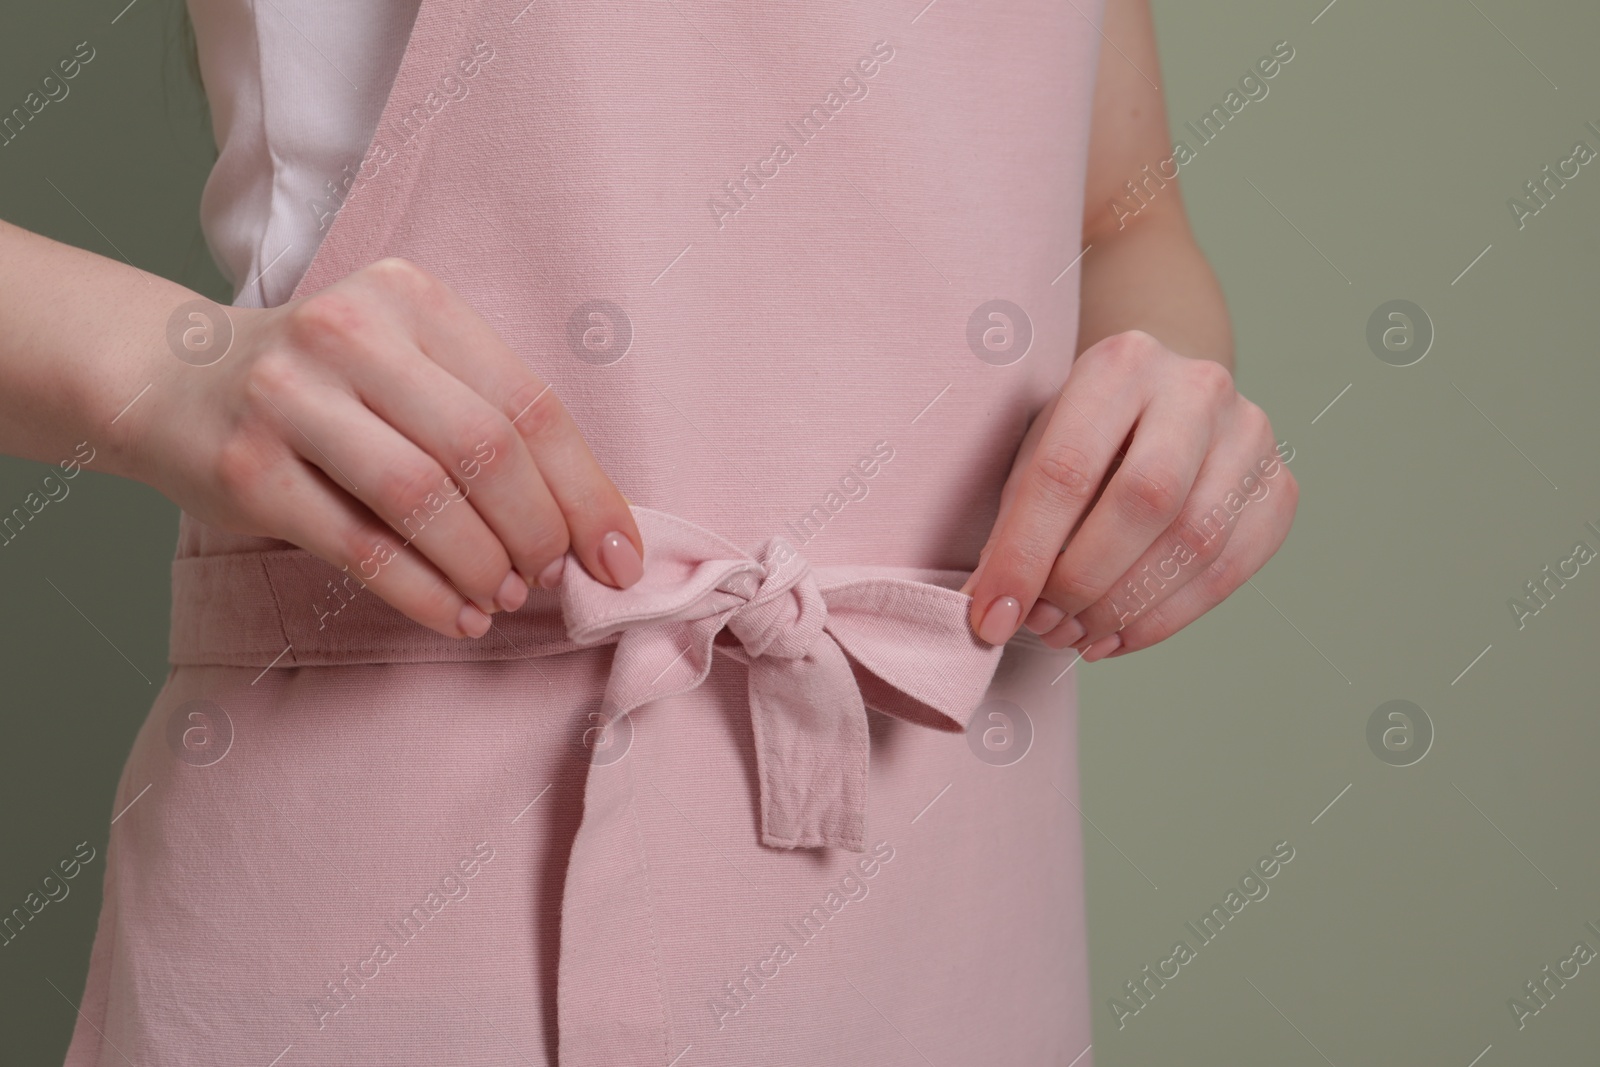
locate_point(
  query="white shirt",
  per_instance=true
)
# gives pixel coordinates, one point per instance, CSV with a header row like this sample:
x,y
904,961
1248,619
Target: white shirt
x,y
296,90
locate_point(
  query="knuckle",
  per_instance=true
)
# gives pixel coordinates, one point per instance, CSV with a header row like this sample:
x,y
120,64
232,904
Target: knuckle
x,y
1129,345
1155,625
544,541
536,411
1015,560
1104,616
1149,496
481,572
1066,473
328,320
1211,377
241,467
400,276
1222,576
275,372
357,543
491,433
1008,558
1207,552
1074,586
1202,529
1254,420
405,485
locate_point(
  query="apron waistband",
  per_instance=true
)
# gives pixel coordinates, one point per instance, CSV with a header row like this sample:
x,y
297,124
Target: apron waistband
x,y
821,646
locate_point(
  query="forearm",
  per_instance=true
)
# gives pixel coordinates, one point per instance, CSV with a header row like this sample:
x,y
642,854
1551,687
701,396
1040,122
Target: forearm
x,y
1151,276
81,336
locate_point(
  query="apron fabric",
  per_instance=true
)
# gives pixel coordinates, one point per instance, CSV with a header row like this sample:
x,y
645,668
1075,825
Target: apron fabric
x,y
772,804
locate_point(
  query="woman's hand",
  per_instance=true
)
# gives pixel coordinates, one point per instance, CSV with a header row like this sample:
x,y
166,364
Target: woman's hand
x,y
1164,485
383,426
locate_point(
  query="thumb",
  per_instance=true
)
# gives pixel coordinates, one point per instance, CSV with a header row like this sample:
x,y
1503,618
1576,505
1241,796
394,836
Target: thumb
x,y
1008,492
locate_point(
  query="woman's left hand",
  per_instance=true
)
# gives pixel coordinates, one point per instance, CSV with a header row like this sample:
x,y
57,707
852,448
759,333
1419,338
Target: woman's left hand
x,y
1165,486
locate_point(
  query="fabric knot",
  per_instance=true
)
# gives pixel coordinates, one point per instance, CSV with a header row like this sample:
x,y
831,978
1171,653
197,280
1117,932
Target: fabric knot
x,y
819,653
785,613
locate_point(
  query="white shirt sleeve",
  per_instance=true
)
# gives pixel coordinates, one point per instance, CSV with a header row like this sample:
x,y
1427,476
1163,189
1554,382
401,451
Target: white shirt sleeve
x,y
296,88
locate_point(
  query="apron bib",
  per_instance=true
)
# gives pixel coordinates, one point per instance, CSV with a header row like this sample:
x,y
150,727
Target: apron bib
x,y
800,274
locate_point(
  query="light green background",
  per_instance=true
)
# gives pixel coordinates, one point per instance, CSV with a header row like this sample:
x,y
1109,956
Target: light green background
x,y
1381,161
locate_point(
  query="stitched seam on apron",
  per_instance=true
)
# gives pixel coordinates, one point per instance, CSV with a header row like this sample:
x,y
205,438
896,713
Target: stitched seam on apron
x,y
650,908
277,607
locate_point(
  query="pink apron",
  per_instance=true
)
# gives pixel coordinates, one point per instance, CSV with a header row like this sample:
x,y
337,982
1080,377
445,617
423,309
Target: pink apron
x,y
800,274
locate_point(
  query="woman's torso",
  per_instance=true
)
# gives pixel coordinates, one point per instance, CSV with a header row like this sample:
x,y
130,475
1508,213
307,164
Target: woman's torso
x,y
827,321
800,216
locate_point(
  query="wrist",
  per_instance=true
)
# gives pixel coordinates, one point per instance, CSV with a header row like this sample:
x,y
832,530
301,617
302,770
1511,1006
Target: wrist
x,y
116,392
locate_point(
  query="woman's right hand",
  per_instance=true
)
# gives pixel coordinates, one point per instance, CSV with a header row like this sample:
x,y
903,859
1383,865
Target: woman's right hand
x,y
382,425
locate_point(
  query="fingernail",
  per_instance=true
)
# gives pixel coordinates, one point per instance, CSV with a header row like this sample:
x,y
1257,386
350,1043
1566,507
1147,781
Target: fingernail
x,y
621,559
1000,621
513,592
472,622
1044,617
550,577
1071,633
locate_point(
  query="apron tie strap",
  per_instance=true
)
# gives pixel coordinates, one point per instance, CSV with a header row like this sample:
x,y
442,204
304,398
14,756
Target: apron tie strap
x,y
819,652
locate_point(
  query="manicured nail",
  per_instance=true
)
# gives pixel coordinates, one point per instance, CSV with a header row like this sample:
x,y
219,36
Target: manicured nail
x,y
550,577
1000,621
513,592
1044,617
1071,633
618,556
472,622
1102,648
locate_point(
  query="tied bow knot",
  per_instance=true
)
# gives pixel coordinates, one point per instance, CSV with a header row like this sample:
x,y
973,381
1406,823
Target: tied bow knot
x,y
819,650
784,612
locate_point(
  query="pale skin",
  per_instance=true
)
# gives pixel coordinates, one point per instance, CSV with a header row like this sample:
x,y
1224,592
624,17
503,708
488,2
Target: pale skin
x,y
335,417
1147,435
330,421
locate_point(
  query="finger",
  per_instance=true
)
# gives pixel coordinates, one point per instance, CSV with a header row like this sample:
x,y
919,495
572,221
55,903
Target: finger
x,y
476,446
603,533
1257,535
397,481
325,520
1057,486
1140,501
1008,491
1227,485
